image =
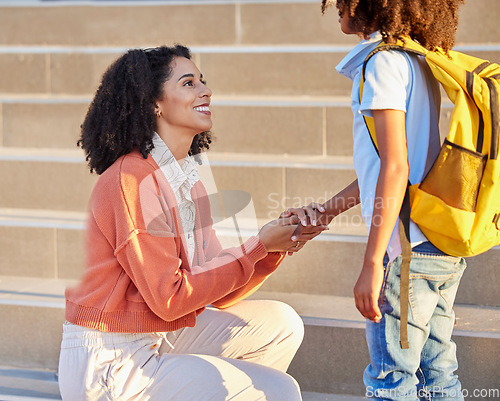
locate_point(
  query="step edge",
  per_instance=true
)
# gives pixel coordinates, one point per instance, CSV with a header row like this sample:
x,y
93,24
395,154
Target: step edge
x,y
34,287
108,3
220,100
39,218
220,49
219,159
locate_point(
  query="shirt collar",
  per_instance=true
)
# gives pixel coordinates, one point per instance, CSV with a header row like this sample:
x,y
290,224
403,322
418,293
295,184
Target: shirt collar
x,y
174,172
350,64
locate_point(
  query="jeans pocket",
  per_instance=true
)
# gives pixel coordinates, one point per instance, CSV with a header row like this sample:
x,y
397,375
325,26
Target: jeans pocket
x,y
424,296
433,278
448,290
383,290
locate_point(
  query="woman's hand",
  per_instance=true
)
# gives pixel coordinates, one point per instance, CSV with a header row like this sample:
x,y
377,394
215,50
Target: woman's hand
x,y
276,235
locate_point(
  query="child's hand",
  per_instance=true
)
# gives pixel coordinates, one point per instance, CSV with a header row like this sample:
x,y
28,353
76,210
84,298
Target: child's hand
x,y
311,215
308,215
367,292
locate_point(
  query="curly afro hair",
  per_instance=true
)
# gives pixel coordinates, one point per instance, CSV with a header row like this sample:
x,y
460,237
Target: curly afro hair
x,y
433,23
121,116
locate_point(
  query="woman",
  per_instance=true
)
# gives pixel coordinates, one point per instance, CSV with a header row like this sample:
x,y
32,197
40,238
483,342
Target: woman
x,y
137,324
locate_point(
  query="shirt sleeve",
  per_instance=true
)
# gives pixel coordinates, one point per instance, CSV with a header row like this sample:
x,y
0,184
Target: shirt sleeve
x,y
386,82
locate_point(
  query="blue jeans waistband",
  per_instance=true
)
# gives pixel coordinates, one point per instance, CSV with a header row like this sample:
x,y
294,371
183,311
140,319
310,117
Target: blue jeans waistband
x,y
425,247
429,248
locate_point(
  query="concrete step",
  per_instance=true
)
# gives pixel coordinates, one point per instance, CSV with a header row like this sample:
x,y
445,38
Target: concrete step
x,y
301,72
49,245
230,22
334,353
330,265
28,384
309,396
59,179
266,72
331,359
289,125
292,125
192,22
242,70
56,180
41,385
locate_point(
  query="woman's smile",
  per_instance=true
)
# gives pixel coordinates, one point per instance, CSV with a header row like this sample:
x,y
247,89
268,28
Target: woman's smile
x,y
204,108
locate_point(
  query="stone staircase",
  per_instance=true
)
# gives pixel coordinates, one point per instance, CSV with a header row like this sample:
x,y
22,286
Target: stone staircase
x,y
282,121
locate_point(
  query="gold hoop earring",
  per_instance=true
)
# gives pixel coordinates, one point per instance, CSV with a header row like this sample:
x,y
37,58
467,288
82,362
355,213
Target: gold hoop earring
x,y
158,113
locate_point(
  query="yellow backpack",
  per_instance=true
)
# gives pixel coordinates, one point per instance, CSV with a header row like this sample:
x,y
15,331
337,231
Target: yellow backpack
x,y
457,205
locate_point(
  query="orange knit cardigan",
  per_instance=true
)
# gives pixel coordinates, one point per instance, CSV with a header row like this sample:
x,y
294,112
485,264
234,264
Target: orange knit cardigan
x,y
138,278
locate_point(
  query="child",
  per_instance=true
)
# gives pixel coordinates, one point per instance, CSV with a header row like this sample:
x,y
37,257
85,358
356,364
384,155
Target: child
x,y
403,98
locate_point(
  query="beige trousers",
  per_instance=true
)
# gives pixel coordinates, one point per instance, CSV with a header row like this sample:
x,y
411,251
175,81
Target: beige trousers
x,y
239,354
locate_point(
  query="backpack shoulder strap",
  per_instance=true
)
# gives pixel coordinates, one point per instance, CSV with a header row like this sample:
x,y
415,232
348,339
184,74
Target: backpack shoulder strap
x,y
408,46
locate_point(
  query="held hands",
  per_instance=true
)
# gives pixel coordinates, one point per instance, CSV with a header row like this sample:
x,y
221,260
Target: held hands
x,y
312,215
277,235
310,221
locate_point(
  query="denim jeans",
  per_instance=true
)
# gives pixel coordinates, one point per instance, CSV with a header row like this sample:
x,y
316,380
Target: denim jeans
x,y
425,371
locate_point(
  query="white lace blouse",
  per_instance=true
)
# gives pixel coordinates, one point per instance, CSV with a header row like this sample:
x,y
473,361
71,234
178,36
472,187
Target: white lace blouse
x,y
181,175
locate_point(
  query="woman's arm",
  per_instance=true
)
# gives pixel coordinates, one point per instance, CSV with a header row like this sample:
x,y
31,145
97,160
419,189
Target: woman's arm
x,y
391,185
149,253
276,238
262,270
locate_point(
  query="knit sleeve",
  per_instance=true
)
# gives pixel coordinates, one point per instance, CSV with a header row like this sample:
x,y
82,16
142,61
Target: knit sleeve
x,y
213,249
172,291
149,249
263,269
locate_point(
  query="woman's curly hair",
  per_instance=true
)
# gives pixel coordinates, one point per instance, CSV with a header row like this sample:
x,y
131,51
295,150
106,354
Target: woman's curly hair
x,y
433,23
121,117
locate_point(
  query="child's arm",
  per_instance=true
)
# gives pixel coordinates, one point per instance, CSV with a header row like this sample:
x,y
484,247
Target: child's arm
x,y
391,185
317,214
343,201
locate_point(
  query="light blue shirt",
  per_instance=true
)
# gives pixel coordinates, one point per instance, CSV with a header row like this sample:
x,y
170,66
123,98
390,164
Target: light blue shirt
x,y
398,81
